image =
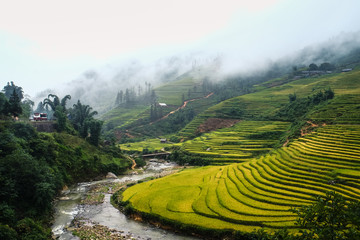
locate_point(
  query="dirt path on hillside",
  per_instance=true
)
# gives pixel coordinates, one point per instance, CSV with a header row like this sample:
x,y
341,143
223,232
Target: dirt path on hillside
x,y
181,107
309,129
133,161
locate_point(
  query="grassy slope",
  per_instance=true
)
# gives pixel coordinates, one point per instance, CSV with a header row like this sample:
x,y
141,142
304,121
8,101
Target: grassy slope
x,y
170,93
259,192
266,101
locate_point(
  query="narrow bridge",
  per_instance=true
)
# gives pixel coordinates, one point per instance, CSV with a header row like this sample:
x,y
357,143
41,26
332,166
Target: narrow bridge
x,y
160,154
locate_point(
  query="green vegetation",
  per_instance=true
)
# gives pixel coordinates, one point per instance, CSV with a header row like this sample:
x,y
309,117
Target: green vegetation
x,y
150,145
239,143
260,193
329,217
35,166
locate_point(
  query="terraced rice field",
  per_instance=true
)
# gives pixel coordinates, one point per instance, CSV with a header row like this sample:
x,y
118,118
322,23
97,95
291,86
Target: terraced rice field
x,y
344,109
260,192
244,140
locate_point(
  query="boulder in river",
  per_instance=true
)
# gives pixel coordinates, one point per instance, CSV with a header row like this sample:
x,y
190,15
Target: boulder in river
x,y
110,175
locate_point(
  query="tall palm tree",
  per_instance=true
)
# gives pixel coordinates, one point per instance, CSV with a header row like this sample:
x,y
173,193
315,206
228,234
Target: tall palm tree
x,y
56,101
81,115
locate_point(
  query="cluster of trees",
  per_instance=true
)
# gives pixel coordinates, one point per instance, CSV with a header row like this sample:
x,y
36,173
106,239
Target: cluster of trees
x,y
323,67
13,102
298,107
330,217
156,111
184,158
80,117
10,101
297,110
33,169
136,95
35,166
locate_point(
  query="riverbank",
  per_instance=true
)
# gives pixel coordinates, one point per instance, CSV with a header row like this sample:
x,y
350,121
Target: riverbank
x,y
87,212
190,230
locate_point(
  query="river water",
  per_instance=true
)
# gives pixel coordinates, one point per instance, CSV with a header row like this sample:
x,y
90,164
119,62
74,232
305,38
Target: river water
x,y
68,206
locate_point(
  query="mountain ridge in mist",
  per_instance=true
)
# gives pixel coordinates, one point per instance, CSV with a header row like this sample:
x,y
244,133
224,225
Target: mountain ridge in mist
x,y
98,87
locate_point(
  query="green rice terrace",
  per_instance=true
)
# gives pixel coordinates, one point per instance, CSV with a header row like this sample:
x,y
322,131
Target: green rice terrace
x,y
260,192
259,170
238,143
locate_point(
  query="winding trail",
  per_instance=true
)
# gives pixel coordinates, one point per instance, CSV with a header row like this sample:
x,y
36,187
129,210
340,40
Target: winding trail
x,y
133,161
181,107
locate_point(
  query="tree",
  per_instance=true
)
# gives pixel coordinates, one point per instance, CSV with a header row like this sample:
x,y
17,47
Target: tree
x,y
80,116
3,104
9,89
326,67
56,101
95,130
13,106
313,67
27,106
292,97
330,217
329,93
127,96
119,98
60,118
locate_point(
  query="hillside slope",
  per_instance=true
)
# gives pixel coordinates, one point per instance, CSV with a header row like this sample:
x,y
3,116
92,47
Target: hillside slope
x,y
259,192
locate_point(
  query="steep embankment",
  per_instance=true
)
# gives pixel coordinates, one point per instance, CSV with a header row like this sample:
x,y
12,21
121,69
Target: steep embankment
x,y
259,192
35,166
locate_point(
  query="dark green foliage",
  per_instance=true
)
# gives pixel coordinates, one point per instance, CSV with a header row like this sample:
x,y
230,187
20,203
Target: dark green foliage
x,y
298,107
26,182
330,217
13,106
313,67
140,162
3,103
56,101
296,111
326,67
28,229
292,97
184,158
95,130
10,88
23,130
82,118
7,233
35,166
60,118
7,213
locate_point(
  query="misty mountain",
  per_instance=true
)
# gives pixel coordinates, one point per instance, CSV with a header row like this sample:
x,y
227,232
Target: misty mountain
x,y
98,87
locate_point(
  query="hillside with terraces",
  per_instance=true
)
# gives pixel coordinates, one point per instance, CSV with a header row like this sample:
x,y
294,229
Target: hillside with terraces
x,y
265,164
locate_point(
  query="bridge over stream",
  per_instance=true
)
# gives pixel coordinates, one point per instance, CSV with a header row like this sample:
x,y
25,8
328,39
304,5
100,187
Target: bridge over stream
x,y
159,154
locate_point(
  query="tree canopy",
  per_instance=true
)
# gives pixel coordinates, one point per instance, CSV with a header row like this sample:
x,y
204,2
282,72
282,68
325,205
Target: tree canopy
x,y
9,89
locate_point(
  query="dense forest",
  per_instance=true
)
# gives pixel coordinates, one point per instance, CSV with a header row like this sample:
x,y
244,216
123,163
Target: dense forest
x,y
35,166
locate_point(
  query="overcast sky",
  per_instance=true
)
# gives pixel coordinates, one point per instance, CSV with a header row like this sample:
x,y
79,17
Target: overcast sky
x,y
44,43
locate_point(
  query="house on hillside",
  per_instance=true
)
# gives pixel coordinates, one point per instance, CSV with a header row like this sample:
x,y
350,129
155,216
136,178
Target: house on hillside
x,y
346,70
163,140
162,105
